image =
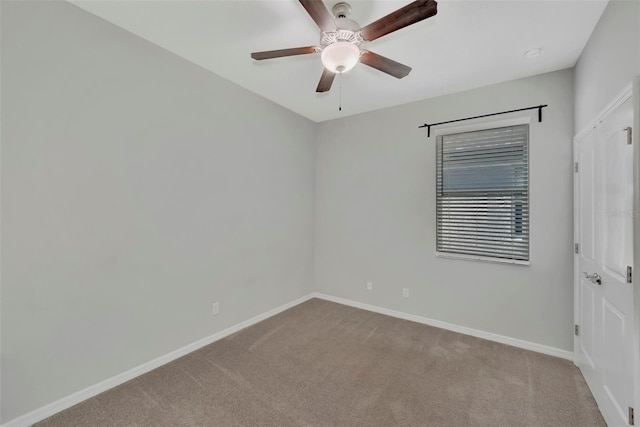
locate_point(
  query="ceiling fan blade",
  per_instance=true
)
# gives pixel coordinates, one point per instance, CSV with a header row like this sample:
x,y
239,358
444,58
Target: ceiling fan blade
x,y
384,64
269,54
320,15
326,80
403,17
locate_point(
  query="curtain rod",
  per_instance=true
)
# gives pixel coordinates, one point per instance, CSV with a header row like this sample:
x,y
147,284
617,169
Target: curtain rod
x,y
538,107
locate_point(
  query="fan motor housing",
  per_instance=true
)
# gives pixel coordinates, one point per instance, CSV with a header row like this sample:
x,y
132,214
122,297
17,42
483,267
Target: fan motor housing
x,y
340,35
348,29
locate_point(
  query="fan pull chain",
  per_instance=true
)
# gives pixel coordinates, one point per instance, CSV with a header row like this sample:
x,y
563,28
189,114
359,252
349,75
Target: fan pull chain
x,y
340,97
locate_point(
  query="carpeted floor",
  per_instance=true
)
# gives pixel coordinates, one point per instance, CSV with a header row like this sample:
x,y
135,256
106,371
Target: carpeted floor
x,y
325,364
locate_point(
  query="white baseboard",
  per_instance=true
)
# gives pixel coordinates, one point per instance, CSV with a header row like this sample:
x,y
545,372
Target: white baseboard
x,y
77,397
552,351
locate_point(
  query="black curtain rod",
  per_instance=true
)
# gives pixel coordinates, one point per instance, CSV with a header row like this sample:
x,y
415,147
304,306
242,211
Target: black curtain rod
x,y
538,107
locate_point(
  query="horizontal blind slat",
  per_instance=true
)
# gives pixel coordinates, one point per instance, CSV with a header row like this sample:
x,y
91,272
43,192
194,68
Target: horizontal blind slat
x,y
482,194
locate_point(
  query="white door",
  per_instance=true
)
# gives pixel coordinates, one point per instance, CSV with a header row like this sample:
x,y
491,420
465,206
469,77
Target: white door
x,y
604,232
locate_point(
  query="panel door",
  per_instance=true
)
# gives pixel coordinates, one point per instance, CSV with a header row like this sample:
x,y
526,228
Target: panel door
x,y
604,218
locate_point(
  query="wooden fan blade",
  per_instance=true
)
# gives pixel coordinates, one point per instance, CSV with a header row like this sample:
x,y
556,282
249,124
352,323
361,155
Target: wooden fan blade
x,y
403,17
320,15
385,65
269,54
326,80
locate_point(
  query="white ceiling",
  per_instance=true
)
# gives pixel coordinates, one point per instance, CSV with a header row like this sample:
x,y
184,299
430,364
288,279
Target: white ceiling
x,y
468,44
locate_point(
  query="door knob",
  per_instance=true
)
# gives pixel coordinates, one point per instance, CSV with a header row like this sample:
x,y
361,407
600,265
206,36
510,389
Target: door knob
x,y
593,278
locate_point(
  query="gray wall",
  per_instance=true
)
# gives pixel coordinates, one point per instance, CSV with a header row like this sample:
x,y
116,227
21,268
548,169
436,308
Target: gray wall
x,y
137,189
609,61
375,216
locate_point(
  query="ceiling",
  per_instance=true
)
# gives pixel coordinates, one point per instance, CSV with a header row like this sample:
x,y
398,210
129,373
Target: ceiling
x,y
468,44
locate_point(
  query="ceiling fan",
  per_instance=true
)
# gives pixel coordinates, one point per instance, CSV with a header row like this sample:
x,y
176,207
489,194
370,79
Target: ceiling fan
x,y
341,39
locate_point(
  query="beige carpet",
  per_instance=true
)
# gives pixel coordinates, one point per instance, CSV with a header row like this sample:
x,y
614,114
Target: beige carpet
x,y
325,364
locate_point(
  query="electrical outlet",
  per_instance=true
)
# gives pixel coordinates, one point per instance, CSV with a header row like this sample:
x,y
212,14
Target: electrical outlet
x,y
215,309
369,286
405,292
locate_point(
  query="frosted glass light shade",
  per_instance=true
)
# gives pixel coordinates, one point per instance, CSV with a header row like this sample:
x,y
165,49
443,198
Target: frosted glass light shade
x,y
340,57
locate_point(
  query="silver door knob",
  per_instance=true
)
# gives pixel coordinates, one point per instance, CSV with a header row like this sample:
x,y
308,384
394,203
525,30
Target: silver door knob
x,y
593,278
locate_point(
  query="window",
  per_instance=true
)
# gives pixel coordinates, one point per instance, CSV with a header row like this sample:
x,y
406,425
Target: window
x,y
482,194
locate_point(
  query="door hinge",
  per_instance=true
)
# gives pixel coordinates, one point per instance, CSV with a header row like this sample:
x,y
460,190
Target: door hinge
x,y
576,330
575,167
576,248
631,417
629,272
629,136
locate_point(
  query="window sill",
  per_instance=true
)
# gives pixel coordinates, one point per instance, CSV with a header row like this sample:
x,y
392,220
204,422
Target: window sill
x,y
481,258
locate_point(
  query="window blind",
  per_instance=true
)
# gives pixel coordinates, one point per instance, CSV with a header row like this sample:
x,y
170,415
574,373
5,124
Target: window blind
x,y
482,196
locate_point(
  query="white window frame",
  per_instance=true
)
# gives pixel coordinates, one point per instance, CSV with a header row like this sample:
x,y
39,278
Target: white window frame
x,y
447,130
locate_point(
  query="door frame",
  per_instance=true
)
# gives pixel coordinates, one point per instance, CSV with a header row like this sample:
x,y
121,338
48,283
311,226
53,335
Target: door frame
x,y
632,90
636,233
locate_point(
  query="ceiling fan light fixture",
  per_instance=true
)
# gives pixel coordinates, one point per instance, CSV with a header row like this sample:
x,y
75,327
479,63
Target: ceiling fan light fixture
x,y
340,57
